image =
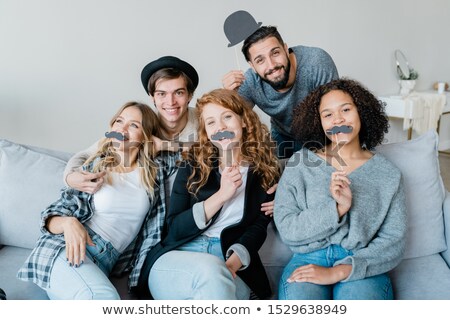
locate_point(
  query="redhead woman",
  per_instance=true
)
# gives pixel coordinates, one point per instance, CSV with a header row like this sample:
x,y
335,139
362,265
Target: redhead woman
x,y
215,225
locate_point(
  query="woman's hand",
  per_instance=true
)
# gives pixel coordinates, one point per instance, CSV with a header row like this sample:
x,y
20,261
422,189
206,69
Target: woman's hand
x,y
341,192
267,207
230,181
75,235
320,275
233,264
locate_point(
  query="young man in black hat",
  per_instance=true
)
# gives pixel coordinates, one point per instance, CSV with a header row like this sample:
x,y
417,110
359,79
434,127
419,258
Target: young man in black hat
x,y
170,82
279,79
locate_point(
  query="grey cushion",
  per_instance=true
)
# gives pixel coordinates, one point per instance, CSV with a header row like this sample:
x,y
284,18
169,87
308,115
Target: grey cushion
x,y
418,161
446,207
11,259
275,254
422,278
30,181
65,156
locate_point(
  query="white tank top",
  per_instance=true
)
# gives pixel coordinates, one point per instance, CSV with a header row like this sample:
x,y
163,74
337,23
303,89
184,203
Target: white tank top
x,y
120,209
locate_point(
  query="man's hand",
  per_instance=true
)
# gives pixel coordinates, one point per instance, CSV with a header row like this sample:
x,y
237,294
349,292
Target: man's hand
x,y
233,80
267,207
85,181
156,144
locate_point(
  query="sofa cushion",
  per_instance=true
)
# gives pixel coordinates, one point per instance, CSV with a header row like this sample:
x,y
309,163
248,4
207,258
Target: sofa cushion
x,y
418,161
65,156
30,181
446,209
422,278
275,254
11,259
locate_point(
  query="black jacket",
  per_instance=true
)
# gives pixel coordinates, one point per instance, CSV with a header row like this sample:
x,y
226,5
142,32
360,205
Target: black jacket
x,y
181,228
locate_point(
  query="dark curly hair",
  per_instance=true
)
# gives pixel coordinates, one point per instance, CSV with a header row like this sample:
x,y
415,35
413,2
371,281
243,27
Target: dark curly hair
x,y
307,128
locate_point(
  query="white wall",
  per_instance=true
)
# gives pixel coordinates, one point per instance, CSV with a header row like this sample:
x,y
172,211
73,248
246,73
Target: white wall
x,y
67,66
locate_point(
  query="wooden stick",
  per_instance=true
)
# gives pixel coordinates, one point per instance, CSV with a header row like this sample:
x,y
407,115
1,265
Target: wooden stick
x,y
237,59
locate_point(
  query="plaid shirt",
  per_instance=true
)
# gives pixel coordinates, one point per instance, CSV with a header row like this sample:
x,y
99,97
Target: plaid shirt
x,y
74,203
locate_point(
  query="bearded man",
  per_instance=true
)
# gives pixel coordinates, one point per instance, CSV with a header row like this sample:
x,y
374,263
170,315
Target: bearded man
x,y
279,78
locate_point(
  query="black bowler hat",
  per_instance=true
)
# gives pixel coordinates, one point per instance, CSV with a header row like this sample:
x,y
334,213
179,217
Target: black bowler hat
x,y
168,62
239,25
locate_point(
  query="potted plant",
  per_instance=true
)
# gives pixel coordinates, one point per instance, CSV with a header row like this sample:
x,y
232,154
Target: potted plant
x,y
407,83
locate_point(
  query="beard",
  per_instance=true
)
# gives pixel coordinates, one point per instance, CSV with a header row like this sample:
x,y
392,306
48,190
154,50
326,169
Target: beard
x,y
281,83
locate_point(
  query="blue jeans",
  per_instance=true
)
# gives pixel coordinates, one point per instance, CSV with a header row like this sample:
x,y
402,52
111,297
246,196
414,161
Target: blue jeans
x,y
372,288
197,271
286,146
89,281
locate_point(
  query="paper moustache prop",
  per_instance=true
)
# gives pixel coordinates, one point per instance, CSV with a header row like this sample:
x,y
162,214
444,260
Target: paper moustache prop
x,y
116,135
222,135
238,26
339,129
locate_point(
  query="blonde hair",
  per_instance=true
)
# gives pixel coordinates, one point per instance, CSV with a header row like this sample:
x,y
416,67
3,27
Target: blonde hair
x,y
108,158
256,147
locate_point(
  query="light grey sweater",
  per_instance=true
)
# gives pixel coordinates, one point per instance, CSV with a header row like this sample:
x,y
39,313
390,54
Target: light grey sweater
x,y
375,227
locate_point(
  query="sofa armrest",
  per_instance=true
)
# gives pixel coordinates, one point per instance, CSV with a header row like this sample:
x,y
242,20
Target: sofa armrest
x,y
446,209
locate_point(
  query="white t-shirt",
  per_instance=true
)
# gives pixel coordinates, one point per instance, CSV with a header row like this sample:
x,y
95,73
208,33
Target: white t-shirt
x,y
232,211
120,209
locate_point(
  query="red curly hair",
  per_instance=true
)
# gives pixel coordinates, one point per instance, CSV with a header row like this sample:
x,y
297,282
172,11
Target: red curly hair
x,y
256,146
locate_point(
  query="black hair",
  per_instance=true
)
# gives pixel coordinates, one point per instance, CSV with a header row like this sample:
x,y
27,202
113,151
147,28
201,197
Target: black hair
x,y
307,127
260,34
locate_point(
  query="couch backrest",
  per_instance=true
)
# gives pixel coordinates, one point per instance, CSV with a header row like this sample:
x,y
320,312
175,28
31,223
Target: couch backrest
x,y
30,179
418,161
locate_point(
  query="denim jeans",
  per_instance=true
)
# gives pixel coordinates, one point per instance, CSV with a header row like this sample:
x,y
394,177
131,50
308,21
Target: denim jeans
x,y
89,281
286,146
372,288
197,271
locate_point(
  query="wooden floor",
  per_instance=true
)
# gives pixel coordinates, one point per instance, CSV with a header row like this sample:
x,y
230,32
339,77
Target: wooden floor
x,y
444,161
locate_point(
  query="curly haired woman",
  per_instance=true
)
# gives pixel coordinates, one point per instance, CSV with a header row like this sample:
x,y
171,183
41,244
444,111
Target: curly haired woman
x,y
215,225
339,206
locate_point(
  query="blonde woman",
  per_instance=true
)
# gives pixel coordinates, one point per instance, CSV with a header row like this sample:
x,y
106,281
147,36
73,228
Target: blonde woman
x,y
215,225
84,234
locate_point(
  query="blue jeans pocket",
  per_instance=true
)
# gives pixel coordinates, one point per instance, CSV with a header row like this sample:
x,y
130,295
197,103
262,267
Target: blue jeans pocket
x,y
103,254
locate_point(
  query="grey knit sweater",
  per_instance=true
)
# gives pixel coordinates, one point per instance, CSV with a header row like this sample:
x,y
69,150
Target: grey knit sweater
x,y
375,227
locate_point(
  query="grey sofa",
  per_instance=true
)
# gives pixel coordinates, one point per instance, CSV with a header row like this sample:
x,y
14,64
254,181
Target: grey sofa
x,y
31,177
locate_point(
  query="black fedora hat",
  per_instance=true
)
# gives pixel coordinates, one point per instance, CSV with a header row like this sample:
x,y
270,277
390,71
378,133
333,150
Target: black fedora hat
x,y
238,26
168,62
